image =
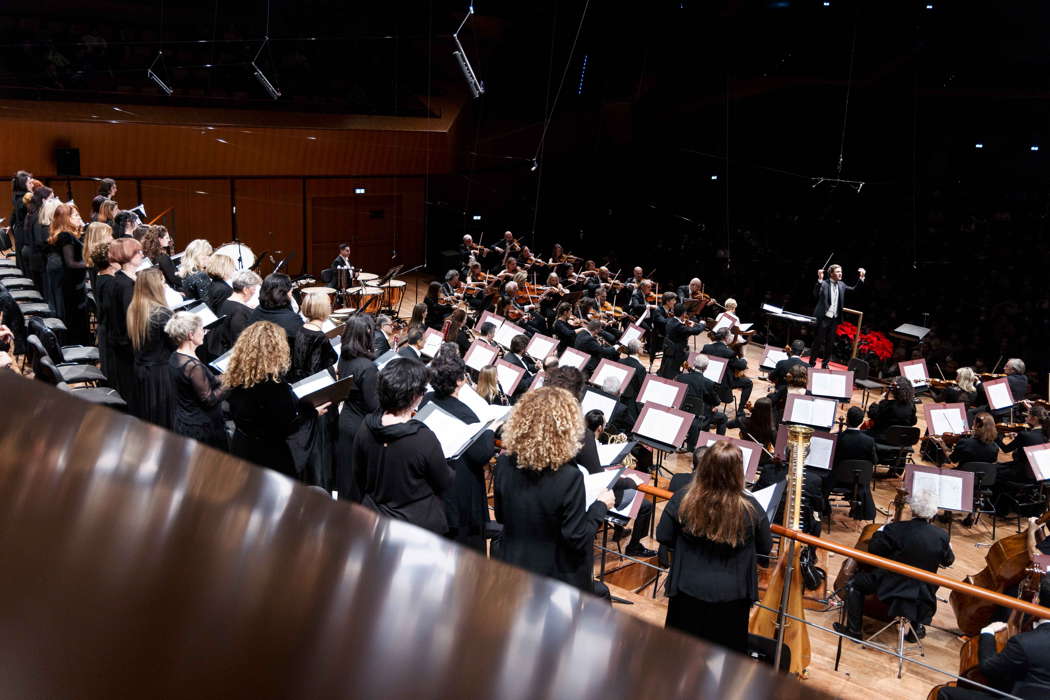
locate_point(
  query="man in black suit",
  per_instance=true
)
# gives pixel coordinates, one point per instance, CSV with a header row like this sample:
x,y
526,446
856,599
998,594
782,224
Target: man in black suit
x,y
630,359
1022,668
719,348
830,295
516,356
676,342
779,374
686,291
1014,369
343,259
382,335
413,345
587,341
703,394
915,542
637,304
853,443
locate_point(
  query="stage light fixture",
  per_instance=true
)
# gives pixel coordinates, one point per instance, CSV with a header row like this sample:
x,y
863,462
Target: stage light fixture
x,y
535,164
156,78
359,190
978,145
260,76
477,89
714,177
1033,148
477,217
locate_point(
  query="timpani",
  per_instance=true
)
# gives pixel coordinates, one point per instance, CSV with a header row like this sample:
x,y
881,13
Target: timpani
x,y
393,291
366,278
319,290
367,300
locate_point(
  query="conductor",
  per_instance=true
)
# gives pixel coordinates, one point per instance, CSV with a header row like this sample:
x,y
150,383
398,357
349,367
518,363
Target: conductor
x,y
830,294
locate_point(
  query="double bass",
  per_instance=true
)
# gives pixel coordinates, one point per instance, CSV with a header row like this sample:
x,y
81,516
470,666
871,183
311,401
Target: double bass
x,y
1005,565
786,584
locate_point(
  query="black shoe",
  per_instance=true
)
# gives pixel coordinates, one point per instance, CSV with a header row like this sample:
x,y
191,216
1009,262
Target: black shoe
x,y
968,521
812,363
843,629
824,364
639,551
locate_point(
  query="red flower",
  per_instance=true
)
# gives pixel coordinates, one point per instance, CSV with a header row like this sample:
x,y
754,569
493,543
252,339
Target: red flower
x,y
875,343
848,330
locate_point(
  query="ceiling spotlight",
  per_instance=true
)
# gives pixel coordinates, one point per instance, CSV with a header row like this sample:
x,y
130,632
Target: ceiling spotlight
x,y
1033,148
714,177
477,89
477,217
827,4
156,78
359,190
535,164
978,145
263,80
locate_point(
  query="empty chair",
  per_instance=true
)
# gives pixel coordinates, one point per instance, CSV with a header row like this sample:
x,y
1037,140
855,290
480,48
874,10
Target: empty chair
x,y
69,373
61,354
46,372
850,481
984,474
23,295
895,446
860,371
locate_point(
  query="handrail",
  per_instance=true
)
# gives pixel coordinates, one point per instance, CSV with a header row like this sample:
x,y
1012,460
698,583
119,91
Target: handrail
x,y
159,216
894,566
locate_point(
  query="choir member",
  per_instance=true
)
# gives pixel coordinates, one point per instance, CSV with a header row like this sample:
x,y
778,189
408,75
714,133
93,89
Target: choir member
x,y
154,399
193,269
399,468
275,306
198,392
103,278
94,236
236,312
716,531
220,271
262,404
66,227
114,300
356,360
548,527
156,246
311,350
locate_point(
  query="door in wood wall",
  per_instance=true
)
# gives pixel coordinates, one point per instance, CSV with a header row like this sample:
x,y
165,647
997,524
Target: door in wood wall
x,y
368,222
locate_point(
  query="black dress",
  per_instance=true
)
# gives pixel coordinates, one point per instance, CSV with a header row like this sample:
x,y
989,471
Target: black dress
x,y
547,527
195,285
218,292
154,397
465,503
198,401
74,297
436,313
221,337
266,414
102,282
313,443
163,261
284,317
115,301
361,401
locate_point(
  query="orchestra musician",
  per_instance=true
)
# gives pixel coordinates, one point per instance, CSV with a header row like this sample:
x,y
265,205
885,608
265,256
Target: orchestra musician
x,y
1018,382
703,393
412,345
437,310
516,356
963,390
676,339
453,286
734,378
1038,433
779,374
688,291
383,336
916,542
830,295
630,359
899,409
507,246
470,252
587,341
637,277
511,269
342,260
564,329
1022,668
638,302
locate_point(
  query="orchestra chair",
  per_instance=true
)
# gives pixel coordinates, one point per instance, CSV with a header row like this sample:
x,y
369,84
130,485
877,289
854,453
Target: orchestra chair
x,y
983,491
861,370
896,446
68,373
23,295
44,311
61,354
847,478
45,371
899,612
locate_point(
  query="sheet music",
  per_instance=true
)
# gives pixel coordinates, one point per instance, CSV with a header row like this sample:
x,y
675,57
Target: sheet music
x,y
829,384
144,265
539,348
715,369
506,378
947,488
773,356
813,412
819,453
946,420
572,359
661,426
481,356
924,481
744,327
205,314
451,432
432,344
171,297
607,454
482,408
606,372
594,400
593,484
915,373
506,333
386,357
772,309
765,498
1041,467
659,393
632,333
313,383
724,320
999,396
221,362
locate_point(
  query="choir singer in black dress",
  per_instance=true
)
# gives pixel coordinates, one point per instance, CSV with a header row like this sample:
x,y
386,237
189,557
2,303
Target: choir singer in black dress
x,y
198,392
548,527
716,531
154,397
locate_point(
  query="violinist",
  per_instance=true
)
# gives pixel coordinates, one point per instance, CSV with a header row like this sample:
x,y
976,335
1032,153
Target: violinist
x,y
916,542
637,277
565,325
454,330
530,261
437,309
1038,433
691,290
507,245
830,294
600,280
676,349
510,270
897,409
734,378
661,314
587,341
639,301
557,255
703,394
1022,668
475,276
509,306
779,374
979,447
963,390
630,359
453,286
1015,377
470,252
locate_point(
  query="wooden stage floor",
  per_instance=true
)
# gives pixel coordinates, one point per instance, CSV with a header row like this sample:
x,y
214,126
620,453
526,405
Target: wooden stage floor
x,y
862,671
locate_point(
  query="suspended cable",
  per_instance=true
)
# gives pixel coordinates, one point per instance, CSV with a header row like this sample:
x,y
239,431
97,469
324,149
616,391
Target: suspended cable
x,y
561,83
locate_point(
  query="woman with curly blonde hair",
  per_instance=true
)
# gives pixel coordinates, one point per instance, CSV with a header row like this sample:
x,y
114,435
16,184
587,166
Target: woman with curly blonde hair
x,y
263,406
548,527
192,269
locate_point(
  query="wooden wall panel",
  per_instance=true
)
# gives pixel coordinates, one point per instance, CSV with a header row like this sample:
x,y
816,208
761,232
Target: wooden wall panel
x,y
270,217
202,208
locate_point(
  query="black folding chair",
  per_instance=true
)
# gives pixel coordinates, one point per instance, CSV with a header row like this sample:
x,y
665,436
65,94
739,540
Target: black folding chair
x,y
847,479
896,446
983,480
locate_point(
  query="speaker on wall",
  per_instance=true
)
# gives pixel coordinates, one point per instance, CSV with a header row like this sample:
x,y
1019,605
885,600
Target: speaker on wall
x,y
67,161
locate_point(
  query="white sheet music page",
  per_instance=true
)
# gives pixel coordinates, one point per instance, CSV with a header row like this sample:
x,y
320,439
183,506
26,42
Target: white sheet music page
x,y
506,333
716,368
925,481
451,432
946,420
659,393
829,384
432,344
482,356
632,333
1042,464
593,400
661,426
951,493
999,396
312,383
539,348
773,356
802,412
606,372
482,409
506,378
607,454
572,359
824,411
819,453
724,320
916,374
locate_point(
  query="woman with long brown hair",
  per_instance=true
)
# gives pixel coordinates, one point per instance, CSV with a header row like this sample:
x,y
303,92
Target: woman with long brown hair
x,y
70,295
113,302
716,531
104,271
548,527
455,331
262,404
154,396
156,246
898,409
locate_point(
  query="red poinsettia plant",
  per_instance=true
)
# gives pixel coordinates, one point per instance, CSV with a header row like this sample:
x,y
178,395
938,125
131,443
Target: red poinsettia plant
x,y
872,342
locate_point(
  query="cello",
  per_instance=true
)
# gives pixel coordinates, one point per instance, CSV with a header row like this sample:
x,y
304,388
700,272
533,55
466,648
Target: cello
x,y
1005,565
850,567
786,582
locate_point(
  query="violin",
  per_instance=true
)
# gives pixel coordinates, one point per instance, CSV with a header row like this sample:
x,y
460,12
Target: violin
x,y
989,376
942,383
1011,427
